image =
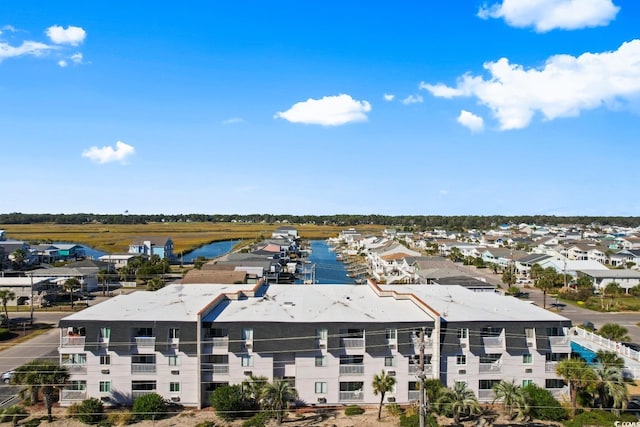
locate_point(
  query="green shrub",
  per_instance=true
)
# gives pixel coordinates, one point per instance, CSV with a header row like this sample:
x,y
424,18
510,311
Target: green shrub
x,y
598,417
543,405
13,414
121,418
89,411
4,334
394,409
229,402
149,406
353,410
258,420
414,421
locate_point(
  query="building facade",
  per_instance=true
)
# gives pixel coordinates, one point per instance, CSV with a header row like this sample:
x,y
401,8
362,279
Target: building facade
x,y
328,341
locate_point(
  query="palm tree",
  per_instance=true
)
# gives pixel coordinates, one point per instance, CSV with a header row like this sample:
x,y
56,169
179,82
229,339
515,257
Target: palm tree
x,y
611,389
44,376
18,256
614,332
579,375
509,393
609,358
458,401
252,387
277,397
6,296
70,285
545,281
382,384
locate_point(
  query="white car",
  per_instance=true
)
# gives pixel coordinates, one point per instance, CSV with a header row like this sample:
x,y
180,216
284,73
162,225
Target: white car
x,y
6,376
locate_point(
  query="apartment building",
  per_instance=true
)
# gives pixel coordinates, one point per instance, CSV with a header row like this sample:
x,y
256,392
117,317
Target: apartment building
x,y
328,341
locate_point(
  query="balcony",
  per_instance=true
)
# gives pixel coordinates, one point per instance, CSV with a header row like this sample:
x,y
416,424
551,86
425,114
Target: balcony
x,y
75,368
550,366
143,368
491,367
215,345
560,344
145,344
73,394
353,343
485,394
352,369
415,369
351,396
217,368
493,344
72,341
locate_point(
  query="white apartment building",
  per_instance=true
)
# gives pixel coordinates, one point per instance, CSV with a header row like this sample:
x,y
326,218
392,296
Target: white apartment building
x,y
328,341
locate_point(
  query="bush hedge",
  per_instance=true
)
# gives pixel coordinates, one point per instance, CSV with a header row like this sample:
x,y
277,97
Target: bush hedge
x,y
353,410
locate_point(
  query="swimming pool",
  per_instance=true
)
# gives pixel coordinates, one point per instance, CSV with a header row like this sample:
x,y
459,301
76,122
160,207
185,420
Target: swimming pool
x,y
585,353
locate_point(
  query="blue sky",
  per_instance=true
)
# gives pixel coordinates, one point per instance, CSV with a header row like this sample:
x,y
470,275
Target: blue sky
x,y
398,108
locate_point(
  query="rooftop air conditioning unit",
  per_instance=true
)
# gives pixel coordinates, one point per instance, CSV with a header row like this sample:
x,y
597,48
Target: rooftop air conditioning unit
x,y
104,371
175,372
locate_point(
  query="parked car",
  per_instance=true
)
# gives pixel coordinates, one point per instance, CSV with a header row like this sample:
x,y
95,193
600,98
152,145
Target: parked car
x,y
6,376
521,295
588,325
632,345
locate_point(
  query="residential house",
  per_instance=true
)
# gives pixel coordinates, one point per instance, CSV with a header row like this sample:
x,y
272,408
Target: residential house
x,y
118,261
67,251
88,276
285,231
327,341
24,288
149,246
627,279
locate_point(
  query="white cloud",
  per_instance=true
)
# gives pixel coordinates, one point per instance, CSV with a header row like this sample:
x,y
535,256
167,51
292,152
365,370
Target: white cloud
x,y
9,28
76,58
26,48
412,99
71,35
547,15
328,111
233,120
108,154
388,96
62,63
471,121
564,87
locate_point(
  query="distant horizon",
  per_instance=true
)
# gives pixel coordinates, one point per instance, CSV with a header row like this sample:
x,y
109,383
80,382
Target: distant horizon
x,y
500,107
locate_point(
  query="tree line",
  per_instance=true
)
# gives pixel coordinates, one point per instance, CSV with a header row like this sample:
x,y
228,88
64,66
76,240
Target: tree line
x,y
409,222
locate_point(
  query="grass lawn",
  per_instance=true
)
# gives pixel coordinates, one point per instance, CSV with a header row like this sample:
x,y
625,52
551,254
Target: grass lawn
x,y
186,236
595,303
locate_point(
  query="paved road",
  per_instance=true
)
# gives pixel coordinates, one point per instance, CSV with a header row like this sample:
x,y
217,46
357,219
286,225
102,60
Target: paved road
x,y
576,314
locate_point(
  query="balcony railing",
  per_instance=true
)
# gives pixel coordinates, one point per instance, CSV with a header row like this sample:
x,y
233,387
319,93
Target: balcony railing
x,y
550,366
75,368
351,369
219,342
73,341
351,395
143,368
493,342
485,394
73,394
353,342
490,367
137,393
146,342
414,369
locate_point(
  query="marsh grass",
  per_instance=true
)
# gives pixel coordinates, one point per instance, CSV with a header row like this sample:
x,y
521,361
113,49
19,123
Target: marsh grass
x,y
186,236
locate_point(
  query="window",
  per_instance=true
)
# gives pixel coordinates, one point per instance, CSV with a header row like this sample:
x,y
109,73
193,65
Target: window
x,y
487,384
247,360
174,387
530,333
322,333
80,385
105,333
105,359
391,334
321,361
247,334
174,333
461,359
527,359
173,360
554,383
463,333
389,361
105,386
143,385
526,382
218,333
321,388
144,332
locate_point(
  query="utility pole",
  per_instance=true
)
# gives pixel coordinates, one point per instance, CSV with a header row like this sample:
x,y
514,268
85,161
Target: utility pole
x,y
31,299
421,378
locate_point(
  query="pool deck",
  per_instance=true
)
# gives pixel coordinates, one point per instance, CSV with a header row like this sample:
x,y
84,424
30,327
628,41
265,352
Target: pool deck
x,y
595,342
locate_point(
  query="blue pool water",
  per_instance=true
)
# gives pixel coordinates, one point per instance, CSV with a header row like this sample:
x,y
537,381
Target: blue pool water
x,y
585,353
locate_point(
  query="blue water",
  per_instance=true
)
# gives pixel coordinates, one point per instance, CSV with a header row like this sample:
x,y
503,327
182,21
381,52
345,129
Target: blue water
x,y
329,271
211,250
588,355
